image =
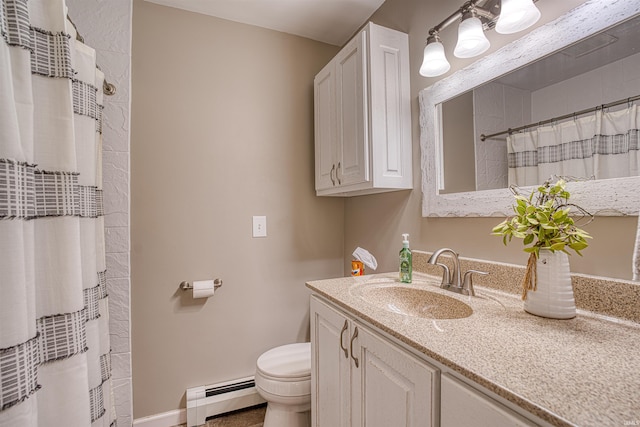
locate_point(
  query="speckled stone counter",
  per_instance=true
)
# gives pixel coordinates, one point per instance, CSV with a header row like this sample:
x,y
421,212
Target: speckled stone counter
x,y
579,372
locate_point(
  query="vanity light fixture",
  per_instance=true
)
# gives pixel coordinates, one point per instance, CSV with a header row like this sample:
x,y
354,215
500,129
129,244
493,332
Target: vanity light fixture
x,y
476,16
435,62
516,15
471,39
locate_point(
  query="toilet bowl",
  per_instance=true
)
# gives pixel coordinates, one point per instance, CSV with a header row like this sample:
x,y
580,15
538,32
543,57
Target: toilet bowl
x,y
283,379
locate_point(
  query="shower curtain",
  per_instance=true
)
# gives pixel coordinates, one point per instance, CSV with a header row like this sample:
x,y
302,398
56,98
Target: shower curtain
x,y
601,145
55,367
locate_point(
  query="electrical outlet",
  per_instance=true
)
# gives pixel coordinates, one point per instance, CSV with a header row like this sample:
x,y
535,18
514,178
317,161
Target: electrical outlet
x,y
259,226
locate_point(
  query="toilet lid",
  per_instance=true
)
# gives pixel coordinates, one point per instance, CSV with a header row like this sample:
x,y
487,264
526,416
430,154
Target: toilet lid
x,y
288,361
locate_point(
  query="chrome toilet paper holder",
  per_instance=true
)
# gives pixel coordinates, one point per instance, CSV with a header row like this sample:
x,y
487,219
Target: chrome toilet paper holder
x,y
187,286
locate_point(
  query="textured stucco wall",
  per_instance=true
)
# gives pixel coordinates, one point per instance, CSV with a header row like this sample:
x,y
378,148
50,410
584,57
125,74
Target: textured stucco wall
x,y
106,26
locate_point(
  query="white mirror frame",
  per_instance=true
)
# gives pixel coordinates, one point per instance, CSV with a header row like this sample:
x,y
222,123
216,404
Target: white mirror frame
x,y
609,197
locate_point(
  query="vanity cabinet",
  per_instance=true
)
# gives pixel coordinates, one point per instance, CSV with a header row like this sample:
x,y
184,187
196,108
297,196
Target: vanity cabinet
x,y
462,405
359,378
363,116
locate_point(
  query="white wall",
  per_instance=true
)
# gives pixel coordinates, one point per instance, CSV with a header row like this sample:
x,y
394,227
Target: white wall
x,y
106,26
609,83
496,107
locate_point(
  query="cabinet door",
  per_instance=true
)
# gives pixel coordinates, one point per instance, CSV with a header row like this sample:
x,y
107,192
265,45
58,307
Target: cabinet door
x,y
352,161
461,405
390,387
390,113
325,127
330,377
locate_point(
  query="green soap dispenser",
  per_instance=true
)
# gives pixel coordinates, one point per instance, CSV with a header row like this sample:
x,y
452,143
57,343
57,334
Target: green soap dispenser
x,y
406,262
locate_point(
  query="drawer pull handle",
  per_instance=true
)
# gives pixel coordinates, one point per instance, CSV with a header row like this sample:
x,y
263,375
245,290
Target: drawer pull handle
x,y
355,359
344,328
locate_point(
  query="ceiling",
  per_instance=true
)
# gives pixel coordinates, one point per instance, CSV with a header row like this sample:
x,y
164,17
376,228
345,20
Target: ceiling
x,y
328,21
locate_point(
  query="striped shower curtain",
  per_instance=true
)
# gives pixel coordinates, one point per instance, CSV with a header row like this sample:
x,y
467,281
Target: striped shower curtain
x,y
601,145
54,338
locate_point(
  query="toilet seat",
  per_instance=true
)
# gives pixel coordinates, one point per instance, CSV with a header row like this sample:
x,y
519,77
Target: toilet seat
x,y
285,370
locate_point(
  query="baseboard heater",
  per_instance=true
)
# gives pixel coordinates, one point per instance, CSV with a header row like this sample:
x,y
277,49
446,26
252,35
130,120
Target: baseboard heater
x,y
207,401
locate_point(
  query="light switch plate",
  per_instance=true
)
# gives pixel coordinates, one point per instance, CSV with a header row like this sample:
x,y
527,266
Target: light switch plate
x,y
259,226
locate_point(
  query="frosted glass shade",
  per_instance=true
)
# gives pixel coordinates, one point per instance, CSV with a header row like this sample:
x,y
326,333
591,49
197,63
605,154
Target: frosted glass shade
x,y
435,62
471,39
516,15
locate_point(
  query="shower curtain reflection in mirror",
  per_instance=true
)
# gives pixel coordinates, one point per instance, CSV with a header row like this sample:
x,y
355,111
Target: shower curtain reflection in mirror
x,y
600,145
55,364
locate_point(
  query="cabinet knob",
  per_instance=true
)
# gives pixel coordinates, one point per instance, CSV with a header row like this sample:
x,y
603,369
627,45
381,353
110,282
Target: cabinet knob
x,y
333,168
337,176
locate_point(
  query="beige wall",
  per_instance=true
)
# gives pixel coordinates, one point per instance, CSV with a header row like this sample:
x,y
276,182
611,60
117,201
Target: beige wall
x,y
222,129
376,222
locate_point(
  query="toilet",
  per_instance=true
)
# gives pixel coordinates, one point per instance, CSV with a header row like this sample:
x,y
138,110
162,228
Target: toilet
x,y
283,379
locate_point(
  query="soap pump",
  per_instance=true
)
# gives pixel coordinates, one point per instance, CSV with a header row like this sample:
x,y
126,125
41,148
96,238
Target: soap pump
x,y
406,262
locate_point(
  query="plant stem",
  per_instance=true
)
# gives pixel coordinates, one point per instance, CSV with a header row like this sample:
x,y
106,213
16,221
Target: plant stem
x,y
530,282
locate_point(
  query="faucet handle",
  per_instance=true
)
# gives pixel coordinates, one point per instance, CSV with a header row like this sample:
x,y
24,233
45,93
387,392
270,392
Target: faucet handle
x,y
446,276
467,283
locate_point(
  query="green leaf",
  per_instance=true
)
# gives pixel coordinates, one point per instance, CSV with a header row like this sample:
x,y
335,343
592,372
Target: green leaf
x,y
518,234
528,239
578,246
499,228
557,246
542,217
559,215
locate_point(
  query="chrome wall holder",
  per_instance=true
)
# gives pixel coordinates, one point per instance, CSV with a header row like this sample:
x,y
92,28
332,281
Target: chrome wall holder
x,y
187,286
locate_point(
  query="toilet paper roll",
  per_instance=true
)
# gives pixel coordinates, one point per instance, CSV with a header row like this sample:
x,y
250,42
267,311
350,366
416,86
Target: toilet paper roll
x,y
203,288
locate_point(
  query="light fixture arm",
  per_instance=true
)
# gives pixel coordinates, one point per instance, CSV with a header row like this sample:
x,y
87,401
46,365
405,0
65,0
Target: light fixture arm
x,y
471,5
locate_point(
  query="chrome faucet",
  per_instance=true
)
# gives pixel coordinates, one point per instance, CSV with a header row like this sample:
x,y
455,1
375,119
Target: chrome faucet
x,y
453,280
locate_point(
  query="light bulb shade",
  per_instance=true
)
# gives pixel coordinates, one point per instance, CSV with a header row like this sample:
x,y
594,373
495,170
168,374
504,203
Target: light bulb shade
x,y
516,15
435,62
471,39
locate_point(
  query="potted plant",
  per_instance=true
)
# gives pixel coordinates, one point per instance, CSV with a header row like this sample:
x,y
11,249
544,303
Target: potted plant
x,y
543,220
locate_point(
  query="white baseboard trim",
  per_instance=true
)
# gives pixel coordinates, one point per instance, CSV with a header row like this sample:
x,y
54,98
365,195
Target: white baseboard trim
x,y
166,419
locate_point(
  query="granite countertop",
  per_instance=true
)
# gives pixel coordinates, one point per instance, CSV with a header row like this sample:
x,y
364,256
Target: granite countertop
x,y
579,372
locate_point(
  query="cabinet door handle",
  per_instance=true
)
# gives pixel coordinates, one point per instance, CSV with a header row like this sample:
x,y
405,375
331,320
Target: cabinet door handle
x,y
344,328
333,168
355,359
337,177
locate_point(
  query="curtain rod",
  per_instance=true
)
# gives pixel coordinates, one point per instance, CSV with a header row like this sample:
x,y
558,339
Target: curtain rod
x,y
107,88
565,116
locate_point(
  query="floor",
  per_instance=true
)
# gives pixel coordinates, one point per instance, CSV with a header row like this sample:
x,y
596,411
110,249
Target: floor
x,y
252,417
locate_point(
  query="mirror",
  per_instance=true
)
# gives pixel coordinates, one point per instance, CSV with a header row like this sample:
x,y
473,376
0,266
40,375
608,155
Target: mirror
x,y
449,176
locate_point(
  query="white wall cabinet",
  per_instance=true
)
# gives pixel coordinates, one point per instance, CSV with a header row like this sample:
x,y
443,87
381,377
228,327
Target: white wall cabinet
x,y
363,116
361,379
